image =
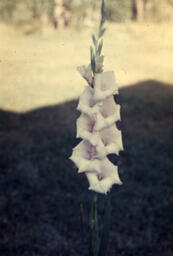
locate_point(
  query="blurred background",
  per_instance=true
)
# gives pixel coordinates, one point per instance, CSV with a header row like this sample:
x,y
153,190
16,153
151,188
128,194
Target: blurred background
x,y
42,198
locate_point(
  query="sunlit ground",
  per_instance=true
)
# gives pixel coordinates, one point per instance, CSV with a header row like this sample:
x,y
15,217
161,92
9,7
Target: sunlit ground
x,y
40,69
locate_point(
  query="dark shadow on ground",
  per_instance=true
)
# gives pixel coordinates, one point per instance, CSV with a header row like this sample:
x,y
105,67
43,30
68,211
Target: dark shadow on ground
x,y
40,190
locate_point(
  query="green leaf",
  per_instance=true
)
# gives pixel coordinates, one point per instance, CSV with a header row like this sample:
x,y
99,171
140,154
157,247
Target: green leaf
x,y
91,53
94,40
103,12
101,32
93,64
106,228
100,47
103,9
92,57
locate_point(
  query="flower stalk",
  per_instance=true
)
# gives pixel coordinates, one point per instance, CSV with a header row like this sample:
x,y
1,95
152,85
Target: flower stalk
x,y
98,42
100,137
96,124
106,227
94,238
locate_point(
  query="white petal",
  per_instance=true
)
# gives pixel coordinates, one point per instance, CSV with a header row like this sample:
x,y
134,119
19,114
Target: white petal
x,y
101,186
102,122
82,70
112,139
86,97
109,107
101,149
107,114
103,181
86,73
83,157
109,170
104,85
86,102
85,129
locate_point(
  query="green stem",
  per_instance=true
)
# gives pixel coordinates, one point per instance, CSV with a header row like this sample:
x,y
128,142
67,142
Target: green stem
x,y
106,228
94,242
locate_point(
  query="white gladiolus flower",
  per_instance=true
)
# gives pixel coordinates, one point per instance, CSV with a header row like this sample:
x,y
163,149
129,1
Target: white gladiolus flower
x,y
112,140
85,129
96,127
104,85
83,157
86,102
102,182
86,73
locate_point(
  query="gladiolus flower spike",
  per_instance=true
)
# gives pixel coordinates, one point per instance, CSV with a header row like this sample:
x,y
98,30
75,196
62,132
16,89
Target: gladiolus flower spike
x,y
96,124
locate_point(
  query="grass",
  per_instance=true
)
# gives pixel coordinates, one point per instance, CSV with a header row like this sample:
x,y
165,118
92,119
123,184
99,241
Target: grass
x,y
40,190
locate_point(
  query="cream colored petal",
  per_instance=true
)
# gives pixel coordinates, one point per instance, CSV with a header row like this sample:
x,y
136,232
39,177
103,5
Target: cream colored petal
x,y
101,149
85,129
103,181
110,170
84,156
102,186
82,149
107,114
99,139
86,103
86,98
112,139
82,70
88,166
104,85
108,107
86,73
102,122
